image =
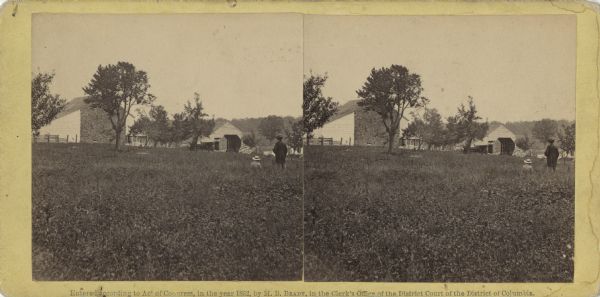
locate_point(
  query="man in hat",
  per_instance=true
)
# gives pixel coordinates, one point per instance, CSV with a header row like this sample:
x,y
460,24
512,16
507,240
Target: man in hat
x,y
280,151
551,154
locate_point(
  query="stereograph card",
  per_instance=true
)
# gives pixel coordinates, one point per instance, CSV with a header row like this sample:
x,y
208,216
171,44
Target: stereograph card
x,y
299,149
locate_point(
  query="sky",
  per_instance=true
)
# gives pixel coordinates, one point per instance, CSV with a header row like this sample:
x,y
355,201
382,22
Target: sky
x,y
515,67
251,65
242,65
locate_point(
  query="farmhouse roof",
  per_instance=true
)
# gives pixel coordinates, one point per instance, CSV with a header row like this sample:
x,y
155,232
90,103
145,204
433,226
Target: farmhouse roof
x,y
72,105
499,132
346,109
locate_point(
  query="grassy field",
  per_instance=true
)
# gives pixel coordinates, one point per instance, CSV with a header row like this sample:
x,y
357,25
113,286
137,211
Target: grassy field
x,y
163,214
435,217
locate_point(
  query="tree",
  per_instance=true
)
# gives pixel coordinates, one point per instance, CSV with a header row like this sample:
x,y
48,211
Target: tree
x,y
567,139
523,143
44,106
249,139
116,89
294,135
544,130
429,128
155,125
180,129
464,126
316,108
390,92
196,120
271,126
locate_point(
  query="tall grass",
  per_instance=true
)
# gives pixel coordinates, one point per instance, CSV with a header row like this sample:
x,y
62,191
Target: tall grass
x,y
435,217
163,214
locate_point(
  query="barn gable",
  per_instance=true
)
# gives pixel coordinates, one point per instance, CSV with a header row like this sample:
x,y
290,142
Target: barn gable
x,y
225,137
79,122
499,140
226,128
353,125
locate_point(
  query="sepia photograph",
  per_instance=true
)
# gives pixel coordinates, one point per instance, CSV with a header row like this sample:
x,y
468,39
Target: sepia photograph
x,y
439,148
166,147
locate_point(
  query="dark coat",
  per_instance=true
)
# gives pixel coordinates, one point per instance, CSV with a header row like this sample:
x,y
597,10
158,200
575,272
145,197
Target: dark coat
x,y
551,154
280,151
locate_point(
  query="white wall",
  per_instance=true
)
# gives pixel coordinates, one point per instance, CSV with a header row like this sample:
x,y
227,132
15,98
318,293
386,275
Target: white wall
x,y
67,125
342,128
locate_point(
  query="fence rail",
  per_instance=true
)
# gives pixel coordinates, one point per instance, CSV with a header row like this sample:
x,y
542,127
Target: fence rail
x,y
330,141
48,138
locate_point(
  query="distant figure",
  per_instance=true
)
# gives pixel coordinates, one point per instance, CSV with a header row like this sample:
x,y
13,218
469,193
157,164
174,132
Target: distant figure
x,y
551,154
527,166
280,151
255,164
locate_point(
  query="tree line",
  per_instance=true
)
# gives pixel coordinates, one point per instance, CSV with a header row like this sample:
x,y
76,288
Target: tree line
x,y
394,92
391,92
118,88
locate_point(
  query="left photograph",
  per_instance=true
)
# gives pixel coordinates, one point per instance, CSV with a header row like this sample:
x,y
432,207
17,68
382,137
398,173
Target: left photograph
x,y
166,147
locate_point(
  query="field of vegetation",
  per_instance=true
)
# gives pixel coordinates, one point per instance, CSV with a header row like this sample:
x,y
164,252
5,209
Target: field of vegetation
x,y
163,214
435,217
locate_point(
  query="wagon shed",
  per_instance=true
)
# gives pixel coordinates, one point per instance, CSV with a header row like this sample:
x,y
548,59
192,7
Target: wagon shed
x,y
225,137
499,141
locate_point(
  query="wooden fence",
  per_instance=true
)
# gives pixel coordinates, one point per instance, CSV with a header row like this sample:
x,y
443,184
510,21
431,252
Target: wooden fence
x,y
55,139
330,141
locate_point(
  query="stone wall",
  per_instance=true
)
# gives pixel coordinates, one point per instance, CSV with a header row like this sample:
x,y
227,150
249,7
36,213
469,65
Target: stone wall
x,y
369,129
96,128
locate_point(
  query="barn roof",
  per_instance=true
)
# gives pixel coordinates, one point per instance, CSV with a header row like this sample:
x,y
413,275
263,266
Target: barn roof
x,y
73,105
499,132
346,109
221,129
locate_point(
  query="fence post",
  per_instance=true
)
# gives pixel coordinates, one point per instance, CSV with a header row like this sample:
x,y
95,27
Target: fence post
x,y
321,139
350,141
75,138
67,138
48,136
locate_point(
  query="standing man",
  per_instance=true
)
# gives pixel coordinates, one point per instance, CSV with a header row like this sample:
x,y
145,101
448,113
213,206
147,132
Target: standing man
x,y
551,154
280,151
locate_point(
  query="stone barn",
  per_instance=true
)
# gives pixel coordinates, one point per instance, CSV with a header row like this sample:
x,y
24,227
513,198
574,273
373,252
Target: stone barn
x,y
78,122
351,125
499,141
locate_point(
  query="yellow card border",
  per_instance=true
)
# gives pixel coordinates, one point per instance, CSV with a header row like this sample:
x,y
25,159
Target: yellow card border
x,y
15,144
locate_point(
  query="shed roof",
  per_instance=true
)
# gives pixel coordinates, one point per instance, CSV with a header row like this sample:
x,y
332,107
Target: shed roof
x,y
222,129
499,132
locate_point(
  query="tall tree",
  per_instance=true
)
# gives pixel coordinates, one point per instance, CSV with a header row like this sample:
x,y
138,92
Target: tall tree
x,y
567,139
271,126
196,119
180,129
523,143
116,89
316,108
44,106
465,126
544,130
429,127
390,91
155,125
294,136
249,139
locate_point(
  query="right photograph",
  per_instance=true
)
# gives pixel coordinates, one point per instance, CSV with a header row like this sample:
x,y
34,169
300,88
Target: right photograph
x,y
439,148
